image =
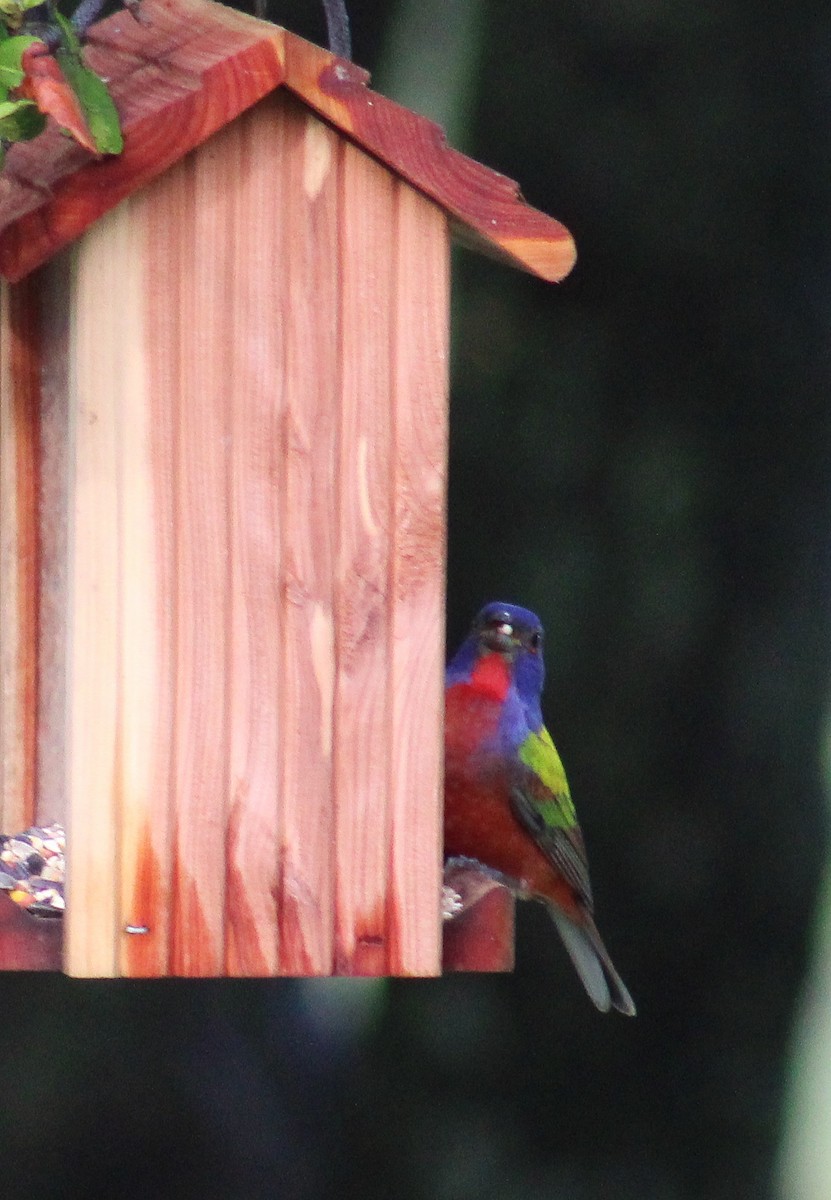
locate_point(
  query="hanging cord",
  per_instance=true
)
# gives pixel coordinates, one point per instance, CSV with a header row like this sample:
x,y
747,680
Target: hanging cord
x,y
337,27
337,21
84,15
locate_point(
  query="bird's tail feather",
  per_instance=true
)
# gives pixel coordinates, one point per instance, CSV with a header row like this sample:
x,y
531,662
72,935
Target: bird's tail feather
x,y
605,987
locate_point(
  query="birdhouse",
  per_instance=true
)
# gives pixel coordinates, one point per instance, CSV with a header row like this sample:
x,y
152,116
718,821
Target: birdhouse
x,y
223,424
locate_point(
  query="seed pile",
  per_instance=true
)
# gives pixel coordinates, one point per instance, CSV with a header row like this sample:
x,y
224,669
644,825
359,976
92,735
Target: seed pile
x,y
32,869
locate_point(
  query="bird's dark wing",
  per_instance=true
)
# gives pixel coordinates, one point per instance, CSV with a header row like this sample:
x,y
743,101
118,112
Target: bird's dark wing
x,y
542,803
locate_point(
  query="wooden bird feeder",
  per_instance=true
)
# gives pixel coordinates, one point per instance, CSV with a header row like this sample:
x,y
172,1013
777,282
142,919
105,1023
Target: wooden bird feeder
x,y
223,440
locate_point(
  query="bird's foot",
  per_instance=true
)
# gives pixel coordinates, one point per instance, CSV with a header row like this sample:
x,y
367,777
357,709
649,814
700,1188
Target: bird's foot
x,y
466,881
451,903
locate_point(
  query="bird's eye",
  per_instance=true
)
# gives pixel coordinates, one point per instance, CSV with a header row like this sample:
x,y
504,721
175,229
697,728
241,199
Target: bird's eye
x,y
535,641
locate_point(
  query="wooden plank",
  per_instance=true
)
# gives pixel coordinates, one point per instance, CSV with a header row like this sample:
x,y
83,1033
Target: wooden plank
x,y
420,416
256,352
20,329
364,522
201,595
53,284
117,765
12,759
12,767
118,660
97,310
146,569
487,209
480,936
28,943
309,313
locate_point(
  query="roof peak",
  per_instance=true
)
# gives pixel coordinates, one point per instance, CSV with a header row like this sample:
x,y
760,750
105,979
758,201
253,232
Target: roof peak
x,y
192,66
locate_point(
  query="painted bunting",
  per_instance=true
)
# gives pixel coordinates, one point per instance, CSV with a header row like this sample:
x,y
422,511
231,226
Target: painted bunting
x,y
507,802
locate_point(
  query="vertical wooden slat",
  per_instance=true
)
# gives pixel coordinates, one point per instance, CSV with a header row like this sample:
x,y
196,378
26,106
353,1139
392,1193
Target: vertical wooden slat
x,y
419,392
53,285
364,524
146,573
12,759
257,477
20,322
309,313
93,632
119,662
203,562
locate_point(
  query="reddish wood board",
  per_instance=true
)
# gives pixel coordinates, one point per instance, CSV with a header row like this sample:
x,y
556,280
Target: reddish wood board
x,y
481,936
190,68
19,563
29,943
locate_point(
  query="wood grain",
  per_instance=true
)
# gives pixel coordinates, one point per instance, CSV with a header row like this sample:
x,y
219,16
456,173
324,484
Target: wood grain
x,y
364,531
98,307
223,742
12,769
19,542
202,583
253,563
52,283
487,208
421,295
257,476
311,376
149,340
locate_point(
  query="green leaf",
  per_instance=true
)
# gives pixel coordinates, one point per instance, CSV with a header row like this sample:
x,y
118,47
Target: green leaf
x,y
91,91
20,120
96,102
68,35
11,52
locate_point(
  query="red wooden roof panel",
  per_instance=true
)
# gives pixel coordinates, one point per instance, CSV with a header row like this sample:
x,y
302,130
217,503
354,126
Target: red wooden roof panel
x,y
187,68
487,207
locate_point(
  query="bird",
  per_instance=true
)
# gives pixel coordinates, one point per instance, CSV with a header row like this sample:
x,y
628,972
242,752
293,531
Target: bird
x,y
507,805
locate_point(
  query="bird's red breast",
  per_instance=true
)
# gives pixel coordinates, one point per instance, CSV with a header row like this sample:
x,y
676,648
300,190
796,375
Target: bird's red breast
x,y
479,821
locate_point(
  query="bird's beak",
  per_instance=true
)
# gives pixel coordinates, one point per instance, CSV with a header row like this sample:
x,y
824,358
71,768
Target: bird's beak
x,y
500,638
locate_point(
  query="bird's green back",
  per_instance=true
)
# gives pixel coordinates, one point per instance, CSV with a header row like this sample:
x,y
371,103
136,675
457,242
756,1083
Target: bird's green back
x,y
539,754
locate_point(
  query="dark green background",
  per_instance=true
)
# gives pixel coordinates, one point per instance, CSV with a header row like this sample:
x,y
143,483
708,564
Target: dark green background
x,y
641,455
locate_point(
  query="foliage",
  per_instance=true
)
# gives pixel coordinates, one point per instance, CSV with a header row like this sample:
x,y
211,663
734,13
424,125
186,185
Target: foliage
x,y
42,73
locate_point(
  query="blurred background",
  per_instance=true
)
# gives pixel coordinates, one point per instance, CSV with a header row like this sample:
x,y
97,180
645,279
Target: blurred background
x,y
640,454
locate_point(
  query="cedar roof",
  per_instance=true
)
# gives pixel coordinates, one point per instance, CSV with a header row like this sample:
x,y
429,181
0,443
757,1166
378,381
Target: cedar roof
x,y
185,70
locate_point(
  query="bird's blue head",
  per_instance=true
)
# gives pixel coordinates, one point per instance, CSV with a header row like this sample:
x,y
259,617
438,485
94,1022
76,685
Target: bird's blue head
x,y
516,635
